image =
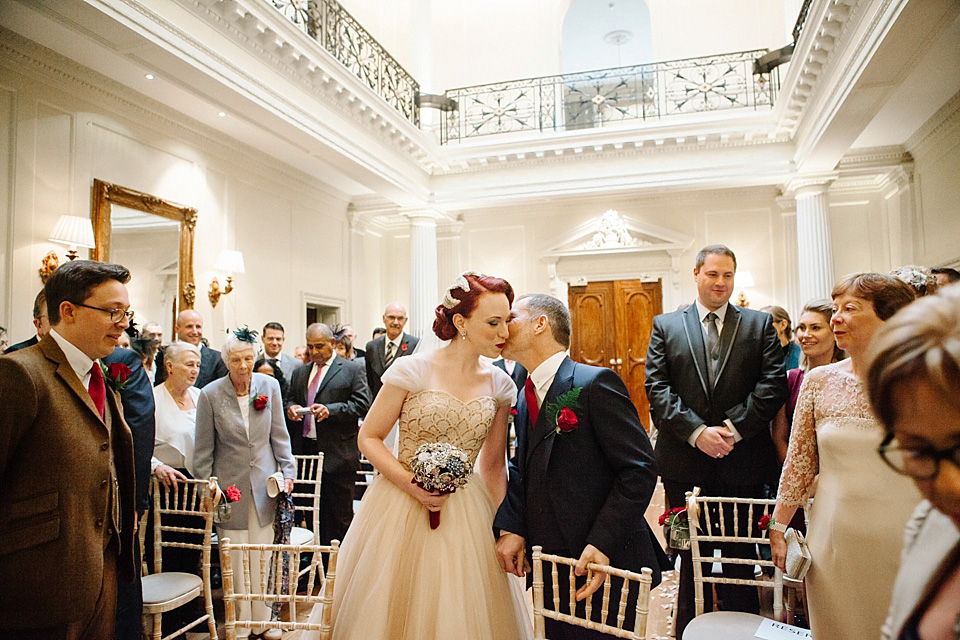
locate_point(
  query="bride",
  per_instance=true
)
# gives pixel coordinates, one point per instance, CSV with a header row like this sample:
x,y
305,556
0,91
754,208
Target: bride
x,y
396,577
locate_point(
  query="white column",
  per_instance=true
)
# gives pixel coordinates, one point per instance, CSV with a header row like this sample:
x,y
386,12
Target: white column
x,y
898,197
359,281
423,273
814,249
793,302
449,253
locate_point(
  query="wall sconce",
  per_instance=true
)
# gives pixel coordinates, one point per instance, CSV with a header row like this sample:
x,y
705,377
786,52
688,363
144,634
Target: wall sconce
x,y
73,231
231,262
741,281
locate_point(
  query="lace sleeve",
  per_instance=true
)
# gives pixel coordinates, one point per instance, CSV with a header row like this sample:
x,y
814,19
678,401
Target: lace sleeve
x,y
803,460
408,372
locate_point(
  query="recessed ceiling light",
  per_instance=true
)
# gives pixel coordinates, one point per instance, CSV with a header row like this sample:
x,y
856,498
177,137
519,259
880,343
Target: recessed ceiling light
x,y
149,76
222,114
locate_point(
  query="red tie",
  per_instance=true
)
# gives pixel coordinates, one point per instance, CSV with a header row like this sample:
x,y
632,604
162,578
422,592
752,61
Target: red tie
x,y
533,409
98,392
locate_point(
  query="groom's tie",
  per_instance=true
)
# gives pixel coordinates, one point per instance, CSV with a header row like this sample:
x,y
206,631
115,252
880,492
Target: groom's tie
x,y
533,409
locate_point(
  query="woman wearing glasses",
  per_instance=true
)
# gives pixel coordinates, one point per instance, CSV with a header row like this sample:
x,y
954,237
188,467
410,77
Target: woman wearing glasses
x,y
913,378
862,506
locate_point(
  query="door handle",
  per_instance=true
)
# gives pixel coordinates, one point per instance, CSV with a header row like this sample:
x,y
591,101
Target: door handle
x,y
619,361
613,362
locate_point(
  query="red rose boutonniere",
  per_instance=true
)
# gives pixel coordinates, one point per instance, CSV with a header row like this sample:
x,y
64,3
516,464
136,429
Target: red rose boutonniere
x,y
260,402
117,375
561,411
403,347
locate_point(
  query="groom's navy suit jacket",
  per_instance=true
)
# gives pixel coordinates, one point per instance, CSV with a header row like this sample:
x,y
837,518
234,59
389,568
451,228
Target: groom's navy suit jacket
x,y
591,485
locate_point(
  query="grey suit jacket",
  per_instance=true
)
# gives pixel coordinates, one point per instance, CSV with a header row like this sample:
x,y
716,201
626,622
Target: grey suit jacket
x,y
223,448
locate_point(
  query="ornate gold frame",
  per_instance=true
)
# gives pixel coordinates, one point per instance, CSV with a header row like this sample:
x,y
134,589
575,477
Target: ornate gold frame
x,y
106,194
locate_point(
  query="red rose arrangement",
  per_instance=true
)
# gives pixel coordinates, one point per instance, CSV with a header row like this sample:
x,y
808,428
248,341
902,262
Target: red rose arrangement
x,y
117,375
765,522
561,412
260,402
672,517
232,494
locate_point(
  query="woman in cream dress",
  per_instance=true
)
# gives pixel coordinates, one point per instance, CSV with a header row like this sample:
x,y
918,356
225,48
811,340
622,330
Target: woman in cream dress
x,y
862,506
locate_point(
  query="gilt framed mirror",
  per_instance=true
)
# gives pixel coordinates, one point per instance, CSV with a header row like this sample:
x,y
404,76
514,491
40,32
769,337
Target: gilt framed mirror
x,y
153,238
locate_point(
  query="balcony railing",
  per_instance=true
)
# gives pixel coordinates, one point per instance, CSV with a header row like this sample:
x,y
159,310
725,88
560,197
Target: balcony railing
x,y
604,98
342,36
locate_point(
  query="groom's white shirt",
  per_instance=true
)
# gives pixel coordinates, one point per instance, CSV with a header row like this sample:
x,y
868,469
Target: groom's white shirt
x,y
543,375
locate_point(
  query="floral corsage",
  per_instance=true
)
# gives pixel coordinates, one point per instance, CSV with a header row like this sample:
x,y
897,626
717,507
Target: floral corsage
x,y
561,412
260,401
117,375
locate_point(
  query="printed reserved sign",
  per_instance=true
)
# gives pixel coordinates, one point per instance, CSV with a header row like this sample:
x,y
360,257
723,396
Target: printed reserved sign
x,y
773,630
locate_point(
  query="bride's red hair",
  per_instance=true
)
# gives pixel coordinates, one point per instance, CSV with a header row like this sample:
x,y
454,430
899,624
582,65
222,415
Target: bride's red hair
x,y
467,301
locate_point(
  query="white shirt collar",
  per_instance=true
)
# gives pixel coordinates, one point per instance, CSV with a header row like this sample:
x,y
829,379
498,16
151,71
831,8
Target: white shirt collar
x,y
543,375
326,365
703,311
79,362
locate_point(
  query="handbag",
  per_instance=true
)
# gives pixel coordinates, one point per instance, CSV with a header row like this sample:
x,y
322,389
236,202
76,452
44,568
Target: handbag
x,y
798,555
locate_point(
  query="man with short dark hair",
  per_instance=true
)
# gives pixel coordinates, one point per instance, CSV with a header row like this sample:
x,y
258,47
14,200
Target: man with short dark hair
x,y
381,352
581,493
334,392
67,504
715,380
40,321
190,329
273,338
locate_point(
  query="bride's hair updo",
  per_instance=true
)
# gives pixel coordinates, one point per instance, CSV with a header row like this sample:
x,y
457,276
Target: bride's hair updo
x,y
462,298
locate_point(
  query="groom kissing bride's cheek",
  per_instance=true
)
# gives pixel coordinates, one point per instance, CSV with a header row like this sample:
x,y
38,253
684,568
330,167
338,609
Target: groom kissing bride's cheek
x,y
584,469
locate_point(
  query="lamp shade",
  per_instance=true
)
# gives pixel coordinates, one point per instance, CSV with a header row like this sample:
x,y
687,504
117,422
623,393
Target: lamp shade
x,y
73,231
743,280
230,261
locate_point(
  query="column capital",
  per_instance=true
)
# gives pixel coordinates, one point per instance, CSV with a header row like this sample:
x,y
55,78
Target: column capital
x,y
809,185
425,212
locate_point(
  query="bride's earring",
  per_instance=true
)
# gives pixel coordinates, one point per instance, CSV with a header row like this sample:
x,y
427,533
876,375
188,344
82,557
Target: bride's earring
x,y
463,335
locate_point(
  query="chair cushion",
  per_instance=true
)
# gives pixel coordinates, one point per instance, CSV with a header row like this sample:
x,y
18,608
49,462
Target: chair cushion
x,y
299,535
162,587
723,625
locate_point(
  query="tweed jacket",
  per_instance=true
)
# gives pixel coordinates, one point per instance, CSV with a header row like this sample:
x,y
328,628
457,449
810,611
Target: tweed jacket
x,y
225,450
56,516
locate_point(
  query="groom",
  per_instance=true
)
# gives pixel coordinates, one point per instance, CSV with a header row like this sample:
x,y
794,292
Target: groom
x,y
581,493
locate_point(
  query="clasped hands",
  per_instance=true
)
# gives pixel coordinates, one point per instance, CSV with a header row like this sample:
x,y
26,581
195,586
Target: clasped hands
x,y
716,442
319,411
511,554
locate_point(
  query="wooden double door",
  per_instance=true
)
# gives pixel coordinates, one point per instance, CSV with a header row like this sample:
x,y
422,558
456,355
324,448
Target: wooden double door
x,y
612,323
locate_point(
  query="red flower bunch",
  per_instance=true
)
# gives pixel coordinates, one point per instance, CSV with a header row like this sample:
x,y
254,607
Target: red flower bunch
x,y
673,516
260,401
513,411
567,420
232,493
116,375
765,522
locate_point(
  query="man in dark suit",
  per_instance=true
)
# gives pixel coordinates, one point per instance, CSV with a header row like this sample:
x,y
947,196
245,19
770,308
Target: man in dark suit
x,y
40,321
190,329
381,352
513,369
715,380
67,495
136,397
581,493
335,391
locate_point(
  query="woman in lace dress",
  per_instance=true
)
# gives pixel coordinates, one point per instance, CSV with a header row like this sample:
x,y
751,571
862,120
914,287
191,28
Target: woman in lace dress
x,y
858,517
396,577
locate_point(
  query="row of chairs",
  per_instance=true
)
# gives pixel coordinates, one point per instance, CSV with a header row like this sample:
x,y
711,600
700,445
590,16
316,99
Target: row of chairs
x,y
183,519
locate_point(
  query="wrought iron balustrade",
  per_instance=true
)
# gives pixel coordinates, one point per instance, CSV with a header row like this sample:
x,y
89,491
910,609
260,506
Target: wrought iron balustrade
x,y
592,99
334,29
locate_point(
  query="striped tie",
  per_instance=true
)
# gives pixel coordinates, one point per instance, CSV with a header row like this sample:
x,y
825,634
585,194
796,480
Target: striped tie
x,y
391,352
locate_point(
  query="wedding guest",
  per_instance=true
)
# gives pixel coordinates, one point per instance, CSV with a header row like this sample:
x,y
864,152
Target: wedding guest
x,y
912,377
349,332
783,325
176,401
946,275
302,354
264,366
242,439
273,339
818,347
835,435
395,343
152,336
923,281
40,322
124,340
190,329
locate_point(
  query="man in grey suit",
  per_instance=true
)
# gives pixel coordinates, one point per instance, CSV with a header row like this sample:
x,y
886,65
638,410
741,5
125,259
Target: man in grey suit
x,y
715,380
335,392
190,329
381,352
273,338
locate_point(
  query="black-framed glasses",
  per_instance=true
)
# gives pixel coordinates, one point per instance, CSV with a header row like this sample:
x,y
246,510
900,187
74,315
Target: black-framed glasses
x,y
921,464
116,315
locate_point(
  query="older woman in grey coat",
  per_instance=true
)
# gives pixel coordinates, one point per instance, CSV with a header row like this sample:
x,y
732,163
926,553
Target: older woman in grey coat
x,y
242,439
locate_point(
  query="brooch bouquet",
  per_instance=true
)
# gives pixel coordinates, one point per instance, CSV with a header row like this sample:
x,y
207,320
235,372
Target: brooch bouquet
x,y
676,528
439,466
